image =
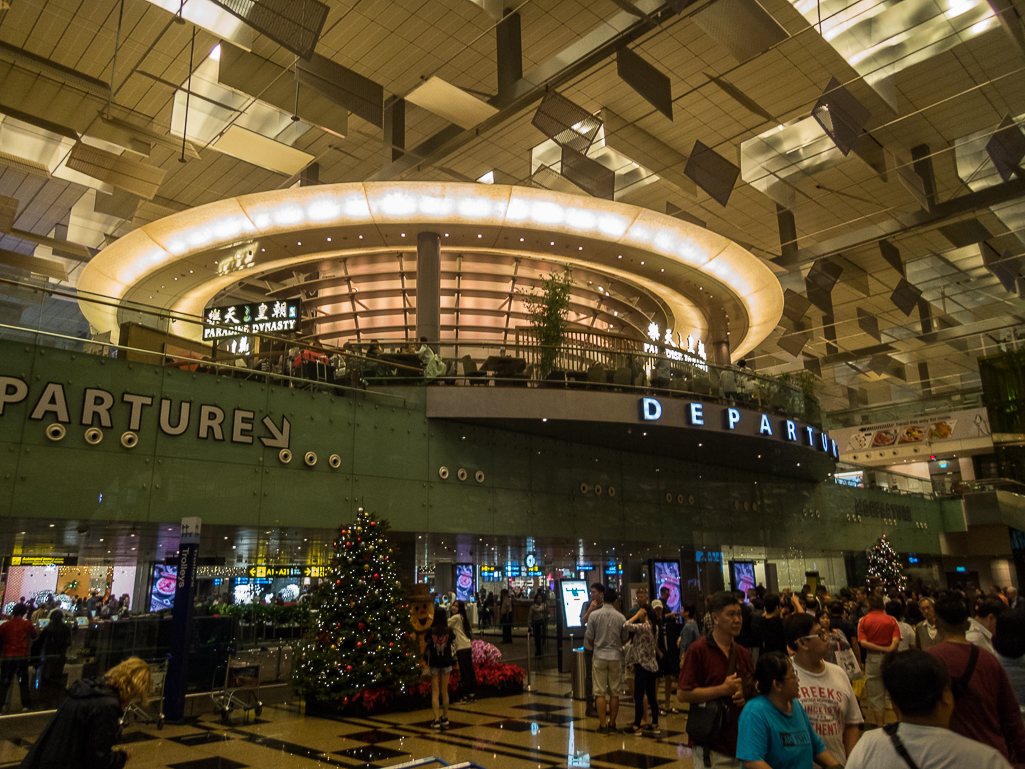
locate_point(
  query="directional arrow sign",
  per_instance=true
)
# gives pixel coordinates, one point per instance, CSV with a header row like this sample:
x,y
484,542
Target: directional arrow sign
x,y
279,439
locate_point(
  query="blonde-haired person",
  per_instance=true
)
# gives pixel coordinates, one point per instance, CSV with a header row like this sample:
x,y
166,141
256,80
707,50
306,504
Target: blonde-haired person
x,y
82,733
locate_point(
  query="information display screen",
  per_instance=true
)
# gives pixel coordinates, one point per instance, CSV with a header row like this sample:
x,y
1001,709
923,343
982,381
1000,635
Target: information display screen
x,y
161,594
464,582
667,574
743,575
574,594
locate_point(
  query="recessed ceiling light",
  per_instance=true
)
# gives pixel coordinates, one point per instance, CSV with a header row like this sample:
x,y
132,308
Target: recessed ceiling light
x,y
521,240
642,262
329,240
299,243
361,237
479,235
552,243
403,234
580,249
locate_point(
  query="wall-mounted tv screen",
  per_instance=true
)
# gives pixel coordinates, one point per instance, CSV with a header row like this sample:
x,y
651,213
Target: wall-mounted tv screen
x,y
667,574
464,581
161,594
574,594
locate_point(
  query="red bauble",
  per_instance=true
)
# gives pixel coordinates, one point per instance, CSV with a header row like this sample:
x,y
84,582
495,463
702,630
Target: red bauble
x,y
377,576
359,644
361,625
348,669
338,583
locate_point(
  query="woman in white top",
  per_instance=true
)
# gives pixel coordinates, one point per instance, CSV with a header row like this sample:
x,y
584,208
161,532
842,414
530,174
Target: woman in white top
x,y
459,624
907,633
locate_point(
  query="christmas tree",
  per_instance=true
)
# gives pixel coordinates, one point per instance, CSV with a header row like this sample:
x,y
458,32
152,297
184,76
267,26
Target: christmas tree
x,y
360,642
883,563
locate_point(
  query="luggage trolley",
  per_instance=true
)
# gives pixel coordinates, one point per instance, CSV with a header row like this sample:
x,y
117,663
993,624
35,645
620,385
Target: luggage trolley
x,y
139,713
241,687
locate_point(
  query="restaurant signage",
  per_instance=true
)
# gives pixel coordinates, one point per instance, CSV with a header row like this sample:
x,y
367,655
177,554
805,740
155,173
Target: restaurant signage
x,y
270,317
690,351
743,421
918,432
43,560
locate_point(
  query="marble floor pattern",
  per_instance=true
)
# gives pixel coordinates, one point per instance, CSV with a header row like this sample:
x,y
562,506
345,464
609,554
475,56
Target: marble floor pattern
x,y
542,729
536,730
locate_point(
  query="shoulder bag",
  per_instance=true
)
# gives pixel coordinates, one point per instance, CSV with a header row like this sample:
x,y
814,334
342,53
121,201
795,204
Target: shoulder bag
x,y
898,745
706,719
960,687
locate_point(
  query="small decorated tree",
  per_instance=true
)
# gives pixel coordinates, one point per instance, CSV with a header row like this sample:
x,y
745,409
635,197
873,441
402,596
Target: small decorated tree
x,y
361,649
884,563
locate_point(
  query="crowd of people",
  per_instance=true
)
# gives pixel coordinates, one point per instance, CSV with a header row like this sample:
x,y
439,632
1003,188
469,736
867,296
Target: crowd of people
x,y
772,681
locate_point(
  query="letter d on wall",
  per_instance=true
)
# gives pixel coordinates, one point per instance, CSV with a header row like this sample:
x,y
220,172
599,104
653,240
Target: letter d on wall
x,y
651,409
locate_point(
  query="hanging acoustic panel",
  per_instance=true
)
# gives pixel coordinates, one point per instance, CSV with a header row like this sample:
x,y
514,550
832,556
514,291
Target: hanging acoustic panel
x,y
813,365
450,102
712,172
743,27
787,236
795,305
679,213
647,80
589,175
905,297
294,24
8,213
819,284
794,341
841,116
360,95
123,172
549,179
47,267
566,123
739,96
1006,148
1006,268
868,323
892,256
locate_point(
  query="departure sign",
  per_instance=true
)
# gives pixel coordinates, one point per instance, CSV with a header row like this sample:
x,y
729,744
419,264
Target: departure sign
x,y
270,317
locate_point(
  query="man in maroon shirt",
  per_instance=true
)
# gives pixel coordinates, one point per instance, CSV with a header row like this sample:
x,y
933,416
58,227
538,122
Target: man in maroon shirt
x,y
703,677
986,710
16,635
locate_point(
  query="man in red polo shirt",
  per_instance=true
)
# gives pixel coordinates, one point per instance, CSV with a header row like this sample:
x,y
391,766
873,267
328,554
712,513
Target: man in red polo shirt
x,y
878,634
16,636
703,677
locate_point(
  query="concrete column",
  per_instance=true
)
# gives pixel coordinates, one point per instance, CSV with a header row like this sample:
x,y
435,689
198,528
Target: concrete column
x,y
428,286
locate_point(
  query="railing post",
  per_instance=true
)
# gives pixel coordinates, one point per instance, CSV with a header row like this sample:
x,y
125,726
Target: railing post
x,y
530,631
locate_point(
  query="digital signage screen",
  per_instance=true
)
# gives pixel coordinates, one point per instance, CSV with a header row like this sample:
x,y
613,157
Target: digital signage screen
x,y
574,594
464,582
667,574
161,594
743,575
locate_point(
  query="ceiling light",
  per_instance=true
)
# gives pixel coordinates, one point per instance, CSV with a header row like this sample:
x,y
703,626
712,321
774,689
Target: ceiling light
x,y
521,240
215,54
329,240
479,235
299,243
580,249
361,237
403,234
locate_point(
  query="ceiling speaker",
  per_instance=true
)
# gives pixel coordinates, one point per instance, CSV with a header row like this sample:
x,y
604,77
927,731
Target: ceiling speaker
x,y
712,172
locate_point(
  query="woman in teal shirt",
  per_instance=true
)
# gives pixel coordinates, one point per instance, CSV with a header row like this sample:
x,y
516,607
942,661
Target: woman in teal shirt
x,y
774,731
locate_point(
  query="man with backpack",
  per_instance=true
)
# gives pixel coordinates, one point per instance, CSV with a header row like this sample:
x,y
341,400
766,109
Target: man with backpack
x,y
985,708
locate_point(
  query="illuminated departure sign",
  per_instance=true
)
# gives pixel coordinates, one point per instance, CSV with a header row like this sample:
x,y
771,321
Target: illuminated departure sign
x,y
738,421
270,317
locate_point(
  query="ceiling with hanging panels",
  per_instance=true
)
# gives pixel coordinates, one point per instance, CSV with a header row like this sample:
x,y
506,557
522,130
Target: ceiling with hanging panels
x,y
955,222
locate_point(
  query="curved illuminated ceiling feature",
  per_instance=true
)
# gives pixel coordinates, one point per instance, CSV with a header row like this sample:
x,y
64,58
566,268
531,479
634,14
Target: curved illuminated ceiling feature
x,y
184,261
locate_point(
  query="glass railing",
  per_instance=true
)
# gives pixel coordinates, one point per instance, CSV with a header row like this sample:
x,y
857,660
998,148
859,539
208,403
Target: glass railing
x,y
879,479
586,360
890,412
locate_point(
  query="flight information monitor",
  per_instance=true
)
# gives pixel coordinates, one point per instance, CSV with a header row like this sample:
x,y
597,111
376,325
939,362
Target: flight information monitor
x,y
574,594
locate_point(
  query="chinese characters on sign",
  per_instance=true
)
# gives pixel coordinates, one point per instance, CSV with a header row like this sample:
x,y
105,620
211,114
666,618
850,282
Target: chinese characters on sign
x,y
678,350
240,320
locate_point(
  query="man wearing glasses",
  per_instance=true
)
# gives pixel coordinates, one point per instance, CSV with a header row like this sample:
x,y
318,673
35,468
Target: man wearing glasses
x,y
704,677
824,689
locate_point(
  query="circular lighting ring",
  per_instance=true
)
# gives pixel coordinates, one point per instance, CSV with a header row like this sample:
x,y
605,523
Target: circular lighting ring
x,y
376,208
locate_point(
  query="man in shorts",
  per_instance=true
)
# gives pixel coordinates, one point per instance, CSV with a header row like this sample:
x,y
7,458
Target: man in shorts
x,y
605,636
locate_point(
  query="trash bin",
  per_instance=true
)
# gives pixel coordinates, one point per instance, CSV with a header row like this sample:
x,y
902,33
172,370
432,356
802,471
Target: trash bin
x,y
579,674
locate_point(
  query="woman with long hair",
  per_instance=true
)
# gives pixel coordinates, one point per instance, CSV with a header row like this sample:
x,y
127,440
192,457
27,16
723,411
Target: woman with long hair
x,y
644,630
438,653
459,624
774,731
85,728
537,618
505,613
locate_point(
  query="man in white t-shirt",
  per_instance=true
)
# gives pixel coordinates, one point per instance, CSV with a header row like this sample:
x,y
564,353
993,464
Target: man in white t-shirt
x,y
824,689
919,688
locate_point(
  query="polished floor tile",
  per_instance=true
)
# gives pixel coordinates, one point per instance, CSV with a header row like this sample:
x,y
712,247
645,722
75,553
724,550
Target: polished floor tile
x,y
371,754
200,738
632,759
512,725
372,736
211,762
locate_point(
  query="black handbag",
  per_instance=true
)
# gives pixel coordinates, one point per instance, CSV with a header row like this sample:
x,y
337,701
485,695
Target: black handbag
x,y
707,719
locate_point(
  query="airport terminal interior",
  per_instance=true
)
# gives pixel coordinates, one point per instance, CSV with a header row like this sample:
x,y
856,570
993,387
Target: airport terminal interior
x,y
321,317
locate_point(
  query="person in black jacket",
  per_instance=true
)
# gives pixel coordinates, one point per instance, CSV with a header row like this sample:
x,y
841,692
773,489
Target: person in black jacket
x,y
84,729
54,642
439,658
